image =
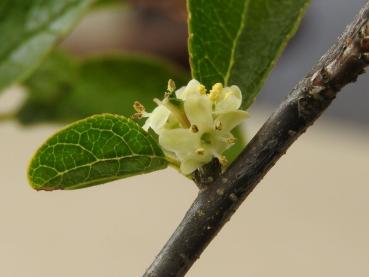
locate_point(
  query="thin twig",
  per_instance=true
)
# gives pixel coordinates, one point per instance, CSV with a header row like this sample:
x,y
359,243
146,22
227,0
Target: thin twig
x,y
215,205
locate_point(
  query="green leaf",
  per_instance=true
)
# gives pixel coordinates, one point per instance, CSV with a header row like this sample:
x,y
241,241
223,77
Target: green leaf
x,y
93,151
97,85
29,29
47,88
236,42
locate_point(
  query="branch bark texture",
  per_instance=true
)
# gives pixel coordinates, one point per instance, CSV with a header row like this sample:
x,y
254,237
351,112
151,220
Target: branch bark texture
x,y
218,200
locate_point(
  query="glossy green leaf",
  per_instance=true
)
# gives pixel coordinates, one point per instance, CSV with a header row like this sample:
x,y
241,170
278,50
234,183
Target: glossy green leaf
x,y
29,29
236,42
96,85
93,151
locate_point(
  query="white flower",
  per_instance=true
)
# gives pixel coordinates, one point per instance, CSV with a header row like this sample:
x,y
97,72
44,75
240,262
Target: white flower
x,y
157,119
195,126
229,99
193,88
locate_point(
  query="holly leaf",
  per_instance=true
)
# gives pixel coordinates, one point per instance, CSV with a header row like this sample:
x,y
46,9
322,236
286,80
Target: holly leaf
x,y
29,29
93,151
237,42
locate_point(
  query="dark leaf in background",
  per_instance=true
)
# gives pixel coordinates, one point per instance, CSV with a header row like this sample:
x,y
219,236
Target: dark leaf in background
x,y
64,90
29,29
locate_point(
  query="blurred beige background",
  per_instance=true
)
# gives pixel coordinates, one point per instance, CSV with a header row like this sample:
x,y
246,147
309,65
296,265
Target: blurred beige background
x,y
308,217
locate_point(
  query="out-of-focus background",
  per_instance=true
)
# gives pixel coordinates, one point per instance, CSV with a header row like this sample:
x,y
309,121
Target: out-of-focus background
x,y
308,217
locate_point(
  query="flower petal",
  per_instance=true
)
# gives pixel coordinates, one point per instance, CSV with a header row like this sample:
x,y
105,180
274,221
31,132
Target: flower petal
x,y
231,119
190,165
157,119
221,142
180,93
192,88
198,109
179,140
231,99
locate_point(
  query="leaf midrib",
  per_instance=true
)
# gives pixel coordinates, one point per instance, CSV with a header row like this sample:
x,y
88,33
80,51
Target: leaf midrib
x,y
235,42
61,173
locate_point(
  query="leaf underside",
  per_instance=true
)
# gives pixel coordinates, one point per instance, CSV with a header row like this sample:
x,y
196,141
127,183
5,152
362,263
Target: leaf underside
x,y
29,29
236,42
93,151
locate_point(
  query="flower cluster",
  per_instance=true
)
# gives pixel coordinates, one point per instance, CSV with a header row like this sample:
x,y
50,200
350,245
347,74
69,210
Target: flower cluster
x,y
194,125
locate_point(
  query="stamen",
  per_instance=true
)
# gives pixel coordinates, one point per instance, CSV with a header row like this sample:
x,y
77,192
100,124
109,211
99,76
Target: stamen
x,y
202,89
217,87
200,151
171,85
194,128
231,140
138,107
137,116
223,160
218,125
157,101
178,113
215,92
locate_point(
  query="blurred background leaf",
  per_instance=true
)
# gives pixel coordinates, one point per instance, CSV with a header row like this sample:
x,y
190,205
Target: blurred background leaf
x,y
29,29
64,89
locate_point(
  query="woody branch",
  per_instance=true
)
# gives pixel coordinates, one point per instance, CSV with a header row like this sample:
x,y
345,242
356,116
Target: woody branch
x,y
219,199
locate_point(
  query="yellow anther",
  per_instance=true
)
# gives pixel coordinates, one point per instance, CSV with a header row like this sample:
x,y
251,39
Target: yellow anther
x,y
215,92
214,96
200,151
202,89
